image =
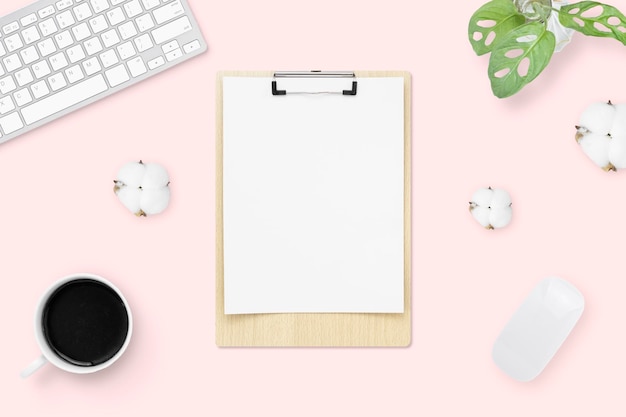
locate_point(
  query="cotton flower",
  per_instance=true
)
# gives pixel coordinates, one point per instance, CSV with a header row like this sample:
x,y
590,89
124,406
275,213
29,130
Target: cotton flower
x,y
143,188
491,208
601,134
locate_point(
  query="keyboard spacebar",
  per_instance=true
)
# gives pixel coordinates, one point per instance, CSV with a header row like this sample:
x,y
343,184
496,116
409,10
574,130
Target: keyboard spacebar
x,y
64,99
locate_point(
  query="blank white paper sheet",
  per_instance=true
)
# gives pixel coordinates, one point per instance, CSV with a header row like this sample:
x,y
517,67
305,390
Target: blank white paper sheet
x,y
313,197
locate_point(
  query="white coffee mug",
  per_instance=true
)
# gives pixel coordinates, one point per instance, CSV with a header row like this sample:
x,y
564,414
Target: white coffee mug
x,y
47,352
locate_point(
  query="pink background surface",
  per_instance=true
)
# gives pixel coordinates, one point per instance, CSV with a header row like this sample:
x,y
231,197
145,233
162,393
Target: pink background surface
x,y
58,215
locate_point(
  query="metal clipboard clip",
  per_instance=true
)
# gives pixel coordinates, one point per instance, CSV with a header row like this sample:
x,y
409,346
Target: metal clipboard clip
x,y
314,74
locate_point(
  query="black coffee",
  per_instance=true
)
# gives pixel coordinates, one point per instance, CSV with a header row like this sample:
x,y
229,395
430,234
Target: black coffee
x,y
85,322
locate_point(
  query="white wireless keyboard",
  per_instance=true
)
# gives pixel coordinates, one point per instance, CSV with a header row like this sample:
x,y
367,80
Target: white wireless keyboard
x,y
59,55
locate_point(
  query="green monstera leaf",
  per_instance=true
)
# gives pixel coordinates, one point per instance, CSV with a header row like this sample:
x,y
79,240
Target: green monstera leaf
x,y
519,58
491,22
594,19
516,34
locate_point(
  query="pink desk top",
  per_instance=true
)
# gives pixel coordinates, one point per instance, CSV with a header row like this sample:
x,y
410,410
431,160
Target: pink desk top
x,y
58,215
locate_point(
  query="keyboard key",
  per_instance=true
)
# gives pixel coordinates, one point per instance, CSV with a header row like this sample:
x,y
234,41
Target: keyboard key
x,y
64,39
133,8
110,38
98,24
116,2
171,30
109,58
48,27
127,30
11,123
22,97
28,20
46,12
75,53
115,16
13,42
99,5
3,51
169,11
23,77
175,54
93,46
191,46
143,42
7,84
91,66
46,47
41,69
144,22
6,104
126,50
81,32
58,61
82,12
57,81
65,19
10,28
150,4
12,63
74,74
170,46
63,4
65,99
40,89
137,67
117,75
156,62
31,35
29,55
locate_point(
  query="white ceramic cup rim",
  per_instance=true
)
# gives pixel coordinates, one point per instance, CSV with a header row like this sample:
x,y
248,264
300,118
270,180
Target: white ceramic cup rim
x,y
49,354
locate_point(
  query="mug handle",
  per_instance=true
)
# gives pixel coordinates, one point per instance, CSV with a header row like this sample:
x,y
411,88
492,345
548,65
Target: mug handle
x,y
34,366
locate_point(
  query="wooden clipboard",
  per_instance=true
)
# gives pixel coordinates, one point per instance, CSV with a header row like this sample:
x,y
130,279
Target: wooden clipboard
x,y
313,329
